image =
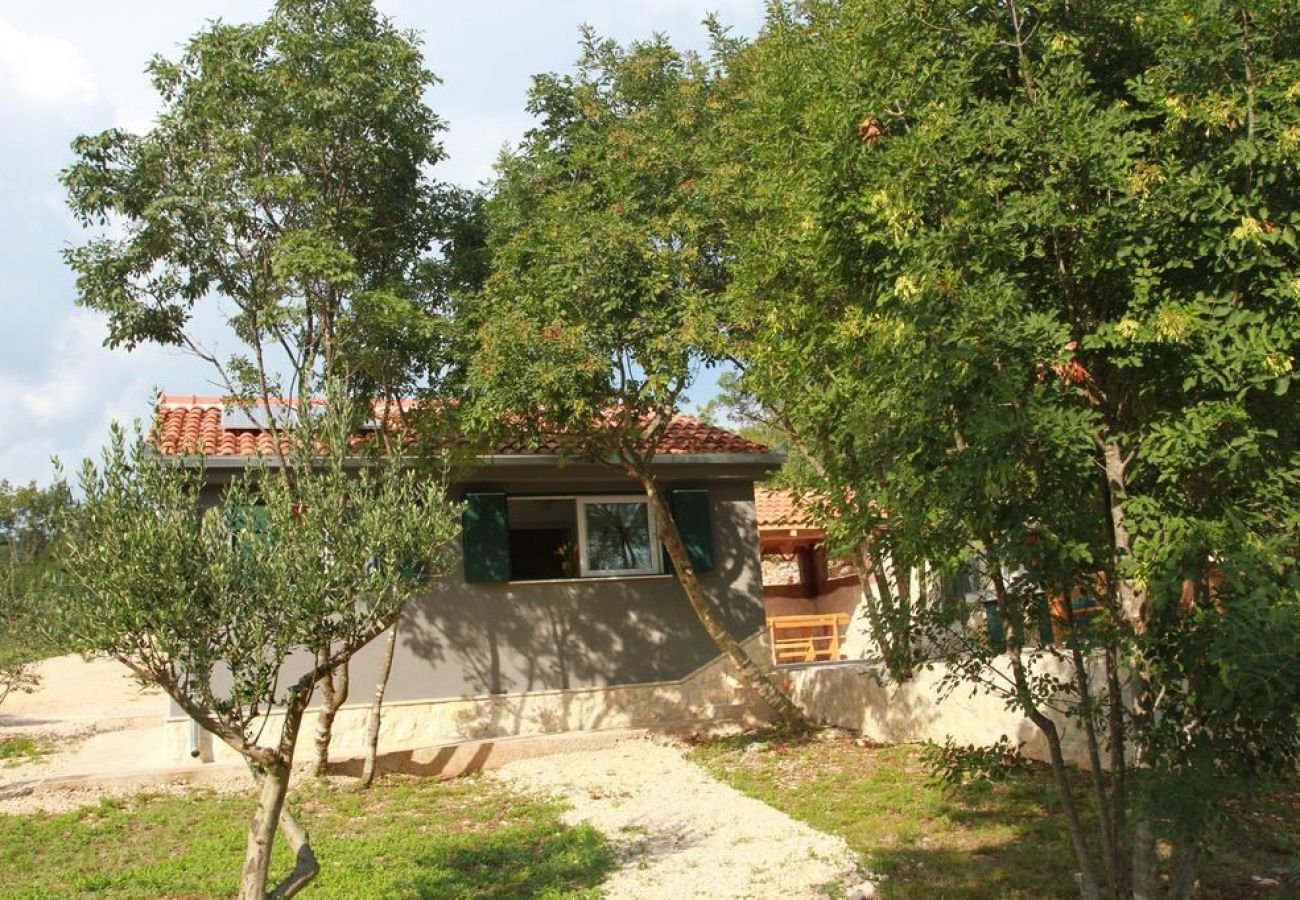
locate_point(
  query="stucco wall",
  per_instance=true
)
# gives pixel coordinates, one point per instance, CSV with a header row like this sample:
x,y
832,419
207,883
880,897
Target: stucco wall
x,y
464,640
857,695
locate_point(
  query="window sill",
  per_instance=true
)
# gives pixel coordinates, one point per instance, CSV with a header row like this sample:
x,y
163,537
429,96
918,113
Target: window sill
x,y
592,578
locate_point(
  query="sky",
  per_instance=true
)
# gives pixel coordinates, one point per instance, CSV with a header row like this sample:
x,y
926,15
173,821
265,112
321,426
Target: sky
x,y
70,67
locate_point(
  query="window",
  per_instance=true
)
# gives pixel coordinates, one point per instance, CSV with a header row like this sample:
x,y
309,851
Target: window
x,y
539,538
543,538
615,536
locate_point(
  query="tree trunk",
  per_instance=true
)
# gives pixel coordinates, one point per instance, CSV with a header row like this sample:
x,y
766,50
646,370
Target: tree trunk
x,y
305,867
1186,852
273,784
873,601
1146,872
1133,603
887,610
790,715
1104,812
376,708
272,776
334,693
1088,886
1118,771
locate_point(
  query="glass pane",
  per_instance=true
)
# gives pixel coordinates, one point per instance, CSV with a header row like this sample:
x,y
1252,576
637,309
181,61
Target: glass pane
x,y
618,536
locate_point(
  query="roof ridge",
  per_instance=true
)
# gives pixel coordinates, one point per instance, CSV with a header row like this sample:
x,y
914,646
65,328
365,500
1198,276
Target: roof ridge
x,y
190,422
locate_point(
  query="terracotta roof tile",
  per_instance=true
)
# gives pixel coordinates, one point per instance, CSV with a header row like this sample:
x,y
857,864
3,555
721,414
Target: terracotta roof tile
x,y
782,510
192,425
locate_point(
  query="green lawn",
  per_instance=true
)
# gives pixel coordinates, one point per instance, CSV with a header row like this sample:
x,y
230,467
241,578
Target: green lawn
x,y
404,838
999,839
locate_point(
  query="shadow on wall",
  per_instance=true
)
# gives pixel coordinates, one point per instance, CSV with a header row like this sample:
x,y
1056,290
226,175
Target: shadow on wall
x,y
503,642
859,695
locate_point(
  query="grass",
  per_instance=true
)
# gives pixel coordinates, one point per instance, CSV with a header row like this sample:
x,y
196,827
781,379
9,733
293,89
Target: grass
x,y
21,748
1001,839
403,838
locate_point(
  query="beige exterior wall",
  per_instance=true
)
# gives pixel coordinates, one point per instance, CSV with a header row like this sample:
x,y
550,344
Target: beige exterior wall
x,y
522,658
858,696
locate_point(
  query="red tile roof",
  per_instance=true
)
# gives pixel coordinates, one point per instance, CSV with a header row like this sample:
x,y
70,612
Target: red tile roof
x,y
191,424
782,510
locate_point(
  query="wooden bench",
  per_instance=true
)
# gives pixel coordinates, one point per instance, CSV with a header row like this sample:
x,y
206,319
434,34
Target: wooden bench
x,y
809,638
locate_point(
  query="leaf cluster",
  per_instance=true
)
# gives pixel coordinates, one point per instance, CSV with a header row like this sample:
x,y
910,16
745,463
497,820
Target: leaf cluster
x,y
217,594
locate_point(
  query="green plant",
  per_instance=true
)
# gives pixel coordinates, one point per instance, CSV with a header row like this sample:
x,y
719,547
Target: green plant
x,y
210,602
22,748
954,764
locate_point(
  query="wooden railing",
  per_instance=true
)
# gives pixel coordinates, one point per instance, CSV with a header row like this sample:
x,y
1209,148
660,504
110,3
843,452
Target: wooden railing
x,y
816,638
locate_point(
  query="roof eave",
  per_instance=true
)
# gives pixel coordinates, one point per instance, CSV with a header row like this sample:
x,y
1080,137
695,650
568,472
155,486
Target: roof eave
x,y
506,460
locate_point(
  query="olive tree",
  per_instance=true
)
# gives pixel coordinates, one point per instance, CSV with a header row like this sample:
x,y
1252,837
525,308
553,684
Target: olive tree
x,y
223,600
286,187
28,522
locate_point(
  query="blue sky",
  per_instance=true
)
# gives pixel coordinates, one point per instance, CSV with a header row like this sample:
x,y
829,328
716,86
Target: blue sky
x,y
69,67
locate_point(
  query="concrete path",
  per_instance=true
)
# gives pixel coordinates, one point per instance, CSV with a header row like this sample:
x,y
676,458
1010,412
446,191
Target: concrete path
x,y
679,833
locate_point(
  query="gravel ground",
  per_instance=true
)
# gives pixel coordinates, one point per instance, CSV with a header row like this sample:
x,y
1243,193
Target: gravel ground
x,y
680,833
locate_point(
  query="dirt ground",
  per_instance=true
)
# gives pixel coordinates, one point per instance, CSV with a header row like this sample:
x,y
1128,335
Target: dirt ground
x,y
104,728
677,831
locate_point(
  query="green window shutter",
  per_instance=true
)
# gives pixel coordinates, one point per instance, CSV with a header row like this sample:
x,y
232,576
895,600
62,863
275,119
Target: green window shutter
x,y
252,518
485,529
691,513
993,618
250,528
249,523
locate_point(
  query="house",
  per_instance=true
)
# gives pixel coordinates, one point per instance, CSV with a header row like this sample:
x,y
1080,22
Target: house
x,y
809,600
551,625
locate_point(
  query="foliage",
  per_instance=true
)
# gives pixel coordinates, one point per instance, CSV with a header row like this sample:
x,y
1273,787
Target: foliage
x,y
407,837
606,272
287,183
208,593
604,259
18,749
288,174
194,589
28,516
1022,282
952,764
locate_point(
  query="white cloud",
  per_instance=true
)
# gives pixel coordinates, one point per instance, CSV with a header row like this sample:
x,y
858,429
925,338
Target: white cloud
x,y
66,409
43,69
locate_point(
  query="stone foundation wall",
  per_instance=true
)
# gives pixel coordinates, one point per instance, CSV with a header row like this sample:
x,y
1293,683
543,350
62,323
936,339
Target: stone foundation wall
x,y
712,694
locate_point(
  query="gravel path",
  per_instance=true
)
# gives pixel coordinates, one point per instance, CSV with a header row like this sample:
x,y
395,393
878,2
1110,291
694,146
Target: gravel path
x,y
679,833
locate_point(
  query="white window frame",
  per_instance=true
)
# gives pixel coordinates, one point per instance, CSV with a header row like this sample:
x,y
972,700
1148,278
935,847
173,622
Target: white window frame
x,y
584,569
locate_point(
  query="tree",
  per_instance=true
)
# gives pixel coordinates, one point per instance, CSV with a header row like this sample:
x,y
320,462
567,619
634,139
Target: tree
x,y
225,606
28,516
599,308
1021,282
288,176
